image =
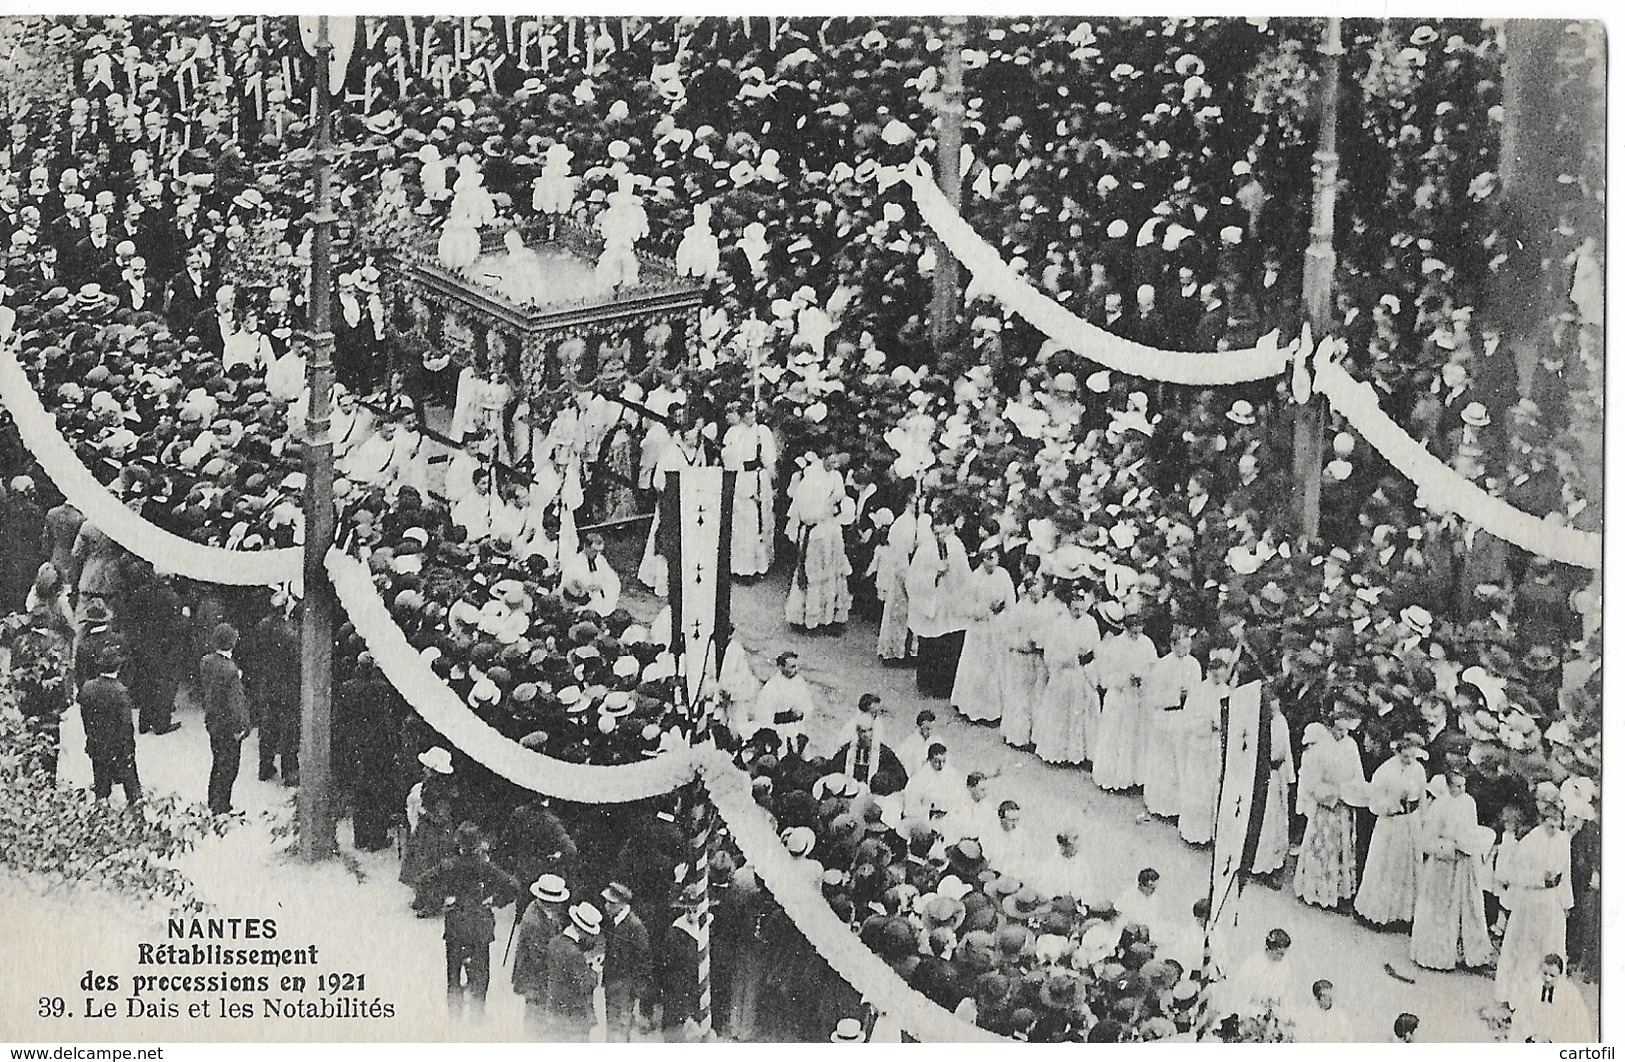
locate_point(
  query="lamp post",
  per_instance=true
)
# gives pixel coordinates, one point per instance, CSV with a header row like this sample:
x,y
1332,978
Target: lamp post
x,y
316,818
1319,269
950,134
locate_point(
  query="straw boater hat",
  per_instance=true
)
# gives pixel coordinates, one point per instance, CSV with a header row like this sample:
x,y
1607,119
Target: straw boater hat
x,y
551,888
587,918
847,1031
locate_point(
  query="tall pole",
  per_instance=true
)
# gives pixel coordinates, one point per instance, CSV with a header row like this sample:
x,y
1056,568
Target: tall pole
x,y
1319,268
316,820
950,134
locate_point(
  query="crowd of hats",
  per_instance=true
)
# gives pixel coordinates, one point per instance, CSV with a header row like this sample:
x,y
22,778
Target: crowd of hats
x,y
1038,967
1029,450
514,641
205,455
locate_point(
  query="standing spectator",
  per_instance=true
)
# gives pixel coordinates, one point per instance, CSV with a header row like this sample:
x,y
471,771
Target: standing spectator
x,y
571,974
367,744
544,918
22,529
225,715
627,963
273,675
39,673
738,958
470,885
104,706
680,969
160,639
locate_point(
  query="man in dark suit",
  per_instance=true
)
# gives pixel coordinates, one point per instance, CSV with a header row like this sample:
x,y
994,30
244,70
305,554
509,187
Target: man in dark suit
x,y
368,738
471,885
273,672
188,295
225,714
104,705
570,973
680,969
627,964
159,639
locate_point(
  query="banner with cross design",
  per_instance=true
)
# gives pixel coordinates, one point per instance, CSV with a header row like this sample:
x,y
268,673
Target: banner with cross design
x,y
697,520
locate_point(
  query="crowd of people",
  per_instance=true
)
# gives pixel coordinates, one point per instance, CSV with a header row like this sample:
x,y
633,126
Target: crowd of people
x,y
1092,564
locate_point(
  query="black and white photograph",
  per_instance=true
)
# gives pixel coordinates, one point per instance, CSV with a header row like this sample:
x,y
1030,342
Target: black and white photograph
x,y
945,528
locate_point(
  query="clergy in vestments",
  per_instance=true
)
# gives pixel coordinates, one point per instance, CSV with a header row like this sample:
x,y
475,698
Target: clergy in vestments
x,y
1551,1010
931,791
868,759
891,582
1061,717
819,508
936,579
783,704
1331,783
1122,727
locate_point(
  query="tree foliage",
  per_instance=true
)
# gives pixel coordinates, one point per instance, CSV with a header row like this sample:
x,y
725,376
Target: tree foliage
x,y
57,838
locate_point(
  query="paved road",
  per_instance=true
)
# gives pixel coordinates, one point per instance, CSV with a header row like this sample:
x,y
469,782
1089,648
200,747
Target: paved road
x,y
1325,944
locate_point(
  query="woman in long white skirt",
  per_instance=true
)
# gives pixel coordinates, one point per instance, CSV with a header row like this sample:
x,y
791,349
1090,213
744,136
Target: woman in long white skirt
x,y
988,593
1172,681
1388,883
1540,898
1021,673
1060,722
1448,930
1199,788
1128,662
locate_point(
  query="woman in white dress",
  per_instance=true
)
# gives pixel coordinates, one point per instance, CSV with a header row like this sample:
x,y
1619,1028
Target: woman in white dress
x,y
1022,674
1388,883
1121,733
1169,687
748,449
1199,788
1331,783
1448,929
988,593
1539,897
1059,720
